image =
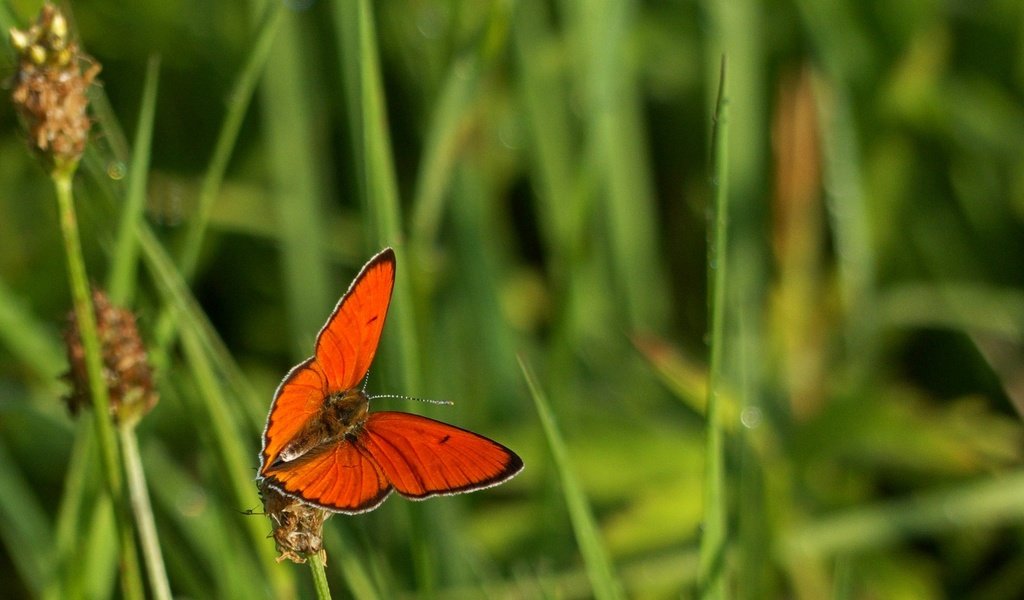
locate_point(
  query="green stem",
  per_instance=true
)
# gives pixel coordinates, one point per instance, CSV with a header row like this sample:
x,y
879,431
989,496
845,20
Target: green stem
x,y
712,547
378,186
130,576
142,508
123,270
316,565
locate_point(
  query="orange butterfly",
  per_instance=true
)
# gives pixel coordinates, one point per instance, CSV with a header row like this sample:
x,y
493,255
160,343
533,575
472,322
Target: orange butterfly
x,y
322,445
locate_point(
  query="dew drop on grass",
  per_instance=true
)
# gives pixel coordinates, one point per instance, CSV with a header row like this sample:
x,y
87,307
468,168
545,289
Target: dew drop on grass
x,y
116,170
751,417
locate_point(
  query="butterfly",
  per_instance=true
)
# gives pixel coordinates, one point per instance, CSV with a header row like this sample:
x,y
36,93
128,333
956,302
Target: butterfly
x,y
323,446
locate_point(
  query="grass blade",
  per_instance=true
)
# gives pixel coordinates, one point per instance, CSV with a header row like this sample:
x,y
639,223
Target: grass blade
x,y
85,314
616,149
24,527
294,158
378,184
445,138
235,468
599,566
123,270
713,542
238,105
378,187
28,339
70,541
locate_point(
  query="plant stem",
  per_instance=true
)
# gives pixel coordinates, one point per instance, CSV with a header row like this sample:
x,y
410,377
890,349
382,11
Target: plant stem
x,y
712,546
142,508
316,565
130,576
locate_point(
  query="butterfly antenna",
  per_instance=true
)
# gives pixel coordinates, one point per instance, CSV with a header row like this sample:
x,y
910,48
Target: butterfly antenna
x,y
366,380
403,397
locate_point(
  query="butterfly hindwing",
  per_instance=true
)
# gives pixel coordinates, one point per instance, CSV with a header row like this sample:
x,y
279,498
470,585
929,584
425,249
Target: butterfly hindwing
x,y
422,457
342,478
298,398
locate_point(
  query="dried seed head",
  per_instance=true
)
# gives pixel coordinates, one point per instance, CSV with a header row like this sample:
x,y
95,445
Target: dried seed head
x,y
298,527
50,88
126,367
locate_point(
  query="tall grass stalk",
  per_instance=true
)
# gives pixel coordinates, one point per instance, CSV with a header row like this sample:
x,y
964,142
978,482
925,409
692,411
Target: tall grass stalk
x,y
378,188
616,151
231,454
295,167
713,541
110,459
209,361
69,514
122,281
24,527
123,271
378,184
736,28
238,103
599,567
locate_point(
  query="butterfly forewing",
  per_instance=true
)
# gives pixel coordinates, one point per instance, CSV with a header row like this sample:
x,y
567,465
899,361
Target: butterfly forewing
x,y
345,348
348,342
422,457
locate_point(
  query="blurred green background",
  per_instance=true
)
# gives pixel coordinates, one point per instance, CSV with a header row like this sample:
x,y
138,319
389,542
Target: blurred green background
x,y
544,170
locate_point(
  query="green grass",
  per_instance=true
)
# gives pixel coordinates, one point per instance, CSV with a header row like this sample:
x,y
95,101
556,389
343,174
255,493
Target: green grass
x,y
828,406
599,569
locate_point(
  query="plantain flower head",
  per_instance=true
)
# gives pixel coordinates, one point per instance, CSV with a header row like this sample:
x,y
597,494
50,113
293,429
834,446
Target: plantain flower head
x,y
126,369
50,88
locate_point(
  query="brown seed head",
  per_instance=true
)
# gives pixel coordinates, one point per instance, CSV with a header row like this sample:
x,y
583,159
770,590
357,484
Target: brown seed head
x,y
50,88
298,527
126,367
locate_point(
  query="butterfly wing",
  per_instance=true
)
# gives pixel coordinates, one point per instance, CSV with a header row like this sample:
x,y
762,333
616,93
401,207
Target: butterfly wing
x,y
298,398
342,478
348,342
344,350
422,457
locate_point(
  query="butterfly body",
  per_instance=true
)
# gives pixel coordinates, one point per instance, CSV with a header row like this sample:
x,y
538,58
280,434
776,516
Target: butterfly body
x,y
342,413
323,445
